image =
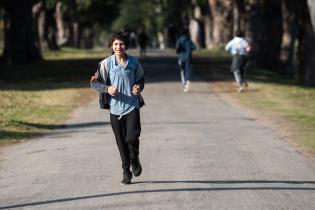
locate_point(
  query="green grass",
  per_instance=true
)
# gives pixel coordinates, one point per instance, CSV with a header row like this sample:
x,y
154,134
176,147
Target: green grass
x,y
32,112
39,97
216,53
71,53
281,99
293,104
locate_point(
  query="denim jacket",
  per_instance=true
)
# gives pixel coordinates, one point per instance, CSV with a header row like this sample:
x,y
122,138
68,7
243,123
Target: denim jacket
x,y
100,84
184,47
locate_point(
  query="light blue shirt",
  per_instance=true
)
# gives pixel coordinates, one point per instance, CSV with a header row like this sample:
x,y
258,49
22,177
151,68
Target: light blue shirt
x,y
237,46
123,77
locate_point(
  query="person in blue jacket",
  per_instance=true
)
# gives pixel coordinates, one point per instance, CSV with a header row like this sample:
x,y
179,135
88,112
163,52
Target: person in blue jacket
x,y
184,48
120,80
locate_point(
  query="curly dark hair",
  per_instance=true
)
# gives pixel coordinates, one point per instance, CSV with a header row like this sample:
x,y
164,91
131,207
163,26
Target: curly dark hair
x,y
118,36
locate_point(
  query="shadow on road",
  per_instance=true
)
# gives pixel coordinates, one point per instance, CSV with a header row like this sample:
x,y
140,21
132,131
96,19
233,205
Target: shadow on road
x,y
75,73
293,187
64,126
230,182
63,129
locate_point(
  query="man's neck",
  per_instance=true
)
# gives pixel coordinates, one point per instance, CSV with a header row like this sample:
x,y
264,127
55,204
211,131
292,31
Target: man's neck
x,y
122,59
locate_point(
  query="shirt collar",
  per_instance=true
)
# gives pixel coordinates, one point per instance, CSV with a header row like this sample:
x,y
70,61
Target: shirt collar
x,y
116,62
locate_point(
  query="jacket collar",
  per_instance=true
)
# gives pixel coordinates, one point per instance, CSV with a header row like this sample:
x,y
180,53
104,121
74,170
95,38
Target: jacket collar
x,y
116,62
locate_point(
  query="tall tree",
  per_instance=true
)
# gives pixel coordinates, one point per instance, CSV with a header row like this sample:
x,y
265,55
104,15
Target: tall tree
x,y
306,51
263,27
61,36
240,17
290,18
80,16
156,16
20,45
45,26
311,63
197,23
221,21
39,16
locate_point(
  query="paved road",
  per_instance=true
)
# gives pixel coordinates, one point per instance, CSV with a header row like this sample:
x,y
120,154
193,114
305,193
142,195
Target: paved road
x,y
197,152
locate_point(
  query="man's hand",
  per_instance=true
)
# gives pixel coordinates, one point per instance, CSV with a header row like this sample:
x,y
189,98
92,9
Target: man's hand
x,y
136,90
112,90
93,78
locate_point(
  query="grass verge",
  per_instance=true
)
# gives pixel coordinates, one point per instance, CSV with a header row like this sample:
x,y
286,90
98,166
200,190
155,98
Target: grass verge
x,y
290,106
39,97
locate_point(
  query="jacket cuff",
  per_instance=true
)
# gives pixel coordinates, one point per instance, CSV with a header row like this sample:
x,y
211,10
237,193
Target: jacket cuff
x,y
106,89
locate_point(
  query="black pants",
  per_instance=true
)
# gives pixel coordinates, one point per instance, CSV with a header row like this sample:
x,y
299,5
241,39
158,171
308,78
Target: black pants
x,y
127,130
239,67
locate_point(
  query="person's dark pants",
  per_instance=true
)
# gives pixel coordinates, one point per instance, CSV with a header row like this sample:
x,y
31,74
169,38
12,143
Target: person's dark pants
x,y
238,67
127,130
185,67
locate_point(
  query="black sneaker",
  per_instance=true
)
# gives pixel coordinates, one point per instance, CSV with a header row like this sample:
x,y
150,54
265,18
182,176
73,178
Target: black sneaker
x,y
136,167
127,176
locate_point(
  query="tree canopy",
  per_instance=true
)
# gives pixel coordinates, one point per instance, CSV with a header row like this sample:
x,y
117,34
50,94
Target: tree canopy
x,y
278,30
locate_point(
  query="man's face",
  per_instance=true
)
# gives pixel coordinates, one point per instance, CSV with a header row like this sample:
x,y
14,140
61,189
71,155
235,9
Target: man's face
x,y
119,47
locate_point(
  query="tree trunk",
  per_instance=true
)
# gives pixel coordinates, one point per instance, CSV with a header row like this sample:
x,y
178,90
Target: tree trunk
x,y
6,47
207,26
265,31
86,41
20,45
51,30
216,24
39,16
240,15
236,18
310,77
61,39
73,25
290,30
306,52
208,34
254,21
193,31
221,17
76,34
311,6
194,26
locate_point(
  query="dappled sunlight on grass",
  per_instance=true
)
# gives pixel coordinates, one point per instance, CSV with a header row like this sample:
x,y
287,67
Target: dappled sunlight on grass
x,y
36,95
21,109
